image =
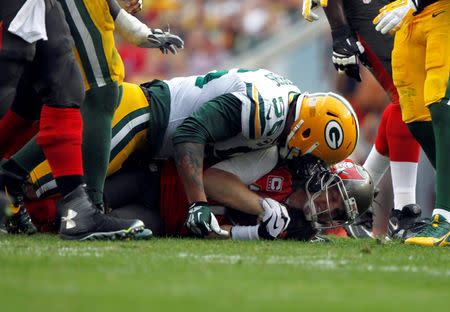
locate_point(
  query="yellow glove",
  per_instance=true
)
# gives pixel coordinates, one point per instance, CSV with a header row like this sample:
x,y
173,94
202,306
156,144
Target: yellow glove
x,y
308,5
393,16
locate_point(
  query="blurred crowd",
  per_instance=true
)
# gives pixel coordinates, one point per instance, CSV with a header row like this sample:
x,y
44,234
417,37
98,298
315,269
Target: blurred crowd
x,y
213,30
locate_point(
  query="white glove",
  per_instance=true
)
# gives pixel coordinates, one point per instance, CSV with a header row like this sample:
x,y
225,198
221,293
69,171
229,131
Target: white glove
x,y
137,33
274,220
392,16
309,5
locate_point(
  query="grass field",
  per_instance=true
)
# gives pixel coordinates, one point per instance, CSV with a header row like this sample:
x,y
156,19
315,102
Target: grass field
x,y
43,273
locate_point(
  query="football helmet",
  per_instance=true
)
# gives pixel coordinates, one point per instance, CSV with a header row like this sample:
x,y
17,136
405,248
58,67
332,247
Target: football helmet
x,y
325,126
336,196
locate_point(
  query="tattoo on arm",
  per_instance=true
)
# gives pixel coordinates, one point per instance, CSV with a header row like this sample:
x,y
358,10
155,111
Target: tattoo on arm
x,y
189,162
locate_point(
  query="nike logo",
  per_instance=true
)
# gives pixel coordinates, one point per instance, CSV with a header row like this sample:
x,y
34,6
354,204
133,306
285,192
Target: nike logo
x,y
275,223
437,13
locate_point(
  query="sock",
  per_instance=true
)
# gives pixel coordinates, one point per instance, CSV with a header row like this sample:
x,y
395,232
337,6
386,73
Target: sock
x,y
60,139
376,164
424,134
98,111
402,145
404,156
29,156
404,176
67,184
440,114
15,170
22,139
12,126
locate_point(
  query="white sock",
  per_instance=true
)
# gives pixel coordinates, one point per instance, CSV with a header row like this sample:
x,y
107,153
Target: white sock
x,y
442,212
376,164
404,176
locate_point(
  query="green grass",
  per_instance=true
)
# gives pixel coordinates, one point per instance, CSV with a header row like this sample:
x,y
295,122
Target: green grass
x,y
43,273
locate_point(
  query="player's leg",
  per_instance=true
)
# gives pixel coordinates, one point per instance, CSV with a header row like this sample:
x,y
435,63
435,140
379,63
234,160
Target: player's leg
x,y
61,89
15,56
395,145
92,28
437,97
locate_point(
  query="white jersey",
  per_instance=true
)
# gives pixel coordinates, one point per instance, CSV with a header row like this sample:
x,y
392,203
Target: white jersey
x,y
265,98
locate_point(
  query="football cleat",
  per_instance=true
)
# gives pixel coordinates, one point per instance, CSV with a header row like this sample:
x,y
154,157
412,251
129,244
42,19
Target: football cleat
x,y
435,233
404,223
143,235
81,220
20,223
362,227
12,209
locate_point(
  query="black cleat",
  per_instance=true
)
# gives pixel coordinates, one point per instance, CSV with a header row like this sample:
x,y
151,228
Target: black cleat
x,y
403,223
81,220
20,223
362,227
12,209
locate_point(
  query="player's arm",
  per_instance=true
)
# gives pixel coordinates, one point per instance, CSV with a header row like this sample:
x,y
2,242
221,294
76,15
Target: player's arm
x,y
227,189
137,33
230,191
347,50
216,120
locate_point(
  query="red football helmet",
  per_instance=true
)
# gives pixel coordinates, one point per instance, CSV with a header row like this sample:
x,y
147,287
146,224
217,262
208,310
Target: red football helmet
x,y
336,196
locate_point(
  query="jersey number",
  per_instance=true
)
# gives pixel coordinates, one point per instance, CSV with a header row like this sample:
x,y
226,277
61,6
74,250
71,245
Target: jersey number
x,y
202,80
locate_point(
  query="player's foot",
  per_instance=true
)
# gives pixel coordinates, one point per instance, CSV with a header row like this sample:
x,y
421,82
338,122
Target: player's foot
x,y
81,220
403,223
143,235
20,223
12,210
362,227
435,233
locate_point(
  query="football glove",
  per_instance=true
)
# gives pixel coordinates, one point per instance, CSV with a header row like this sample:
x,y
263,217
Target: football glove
x,y
348,52
392,16
137,33
275,219
201,221
308,6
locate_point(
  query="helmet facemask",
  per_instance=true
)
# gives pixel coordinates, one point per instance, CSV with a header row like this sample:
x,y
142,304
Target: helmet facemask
x,y
328,204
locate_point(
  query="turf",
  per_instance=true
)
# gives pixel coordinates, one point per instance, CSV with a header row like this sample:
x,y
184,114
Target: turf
x,y
43,273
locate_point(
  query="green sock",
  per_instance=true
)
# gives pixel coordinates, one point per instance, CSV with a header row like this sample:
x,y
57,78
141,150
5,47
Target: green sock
x,y
29,156
440,114
423,133
97,112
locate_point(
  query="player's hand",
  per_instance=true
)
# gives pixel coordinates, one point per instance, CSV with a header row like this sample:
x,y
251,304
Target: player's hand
x,y
348,52
132,6
274,220
308,6
392,16
201,221
163,40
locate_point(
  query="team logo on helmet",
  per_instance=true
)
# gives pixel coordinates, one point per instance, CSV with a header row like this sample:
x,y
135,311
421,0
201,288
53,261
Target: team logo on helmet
x,y
334,135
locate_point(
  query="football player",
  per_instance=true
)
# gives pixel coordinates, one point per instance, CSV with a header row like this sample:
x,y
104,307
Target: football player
x,y
421,71
241,114
92,24
355,42
326,199
39,68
